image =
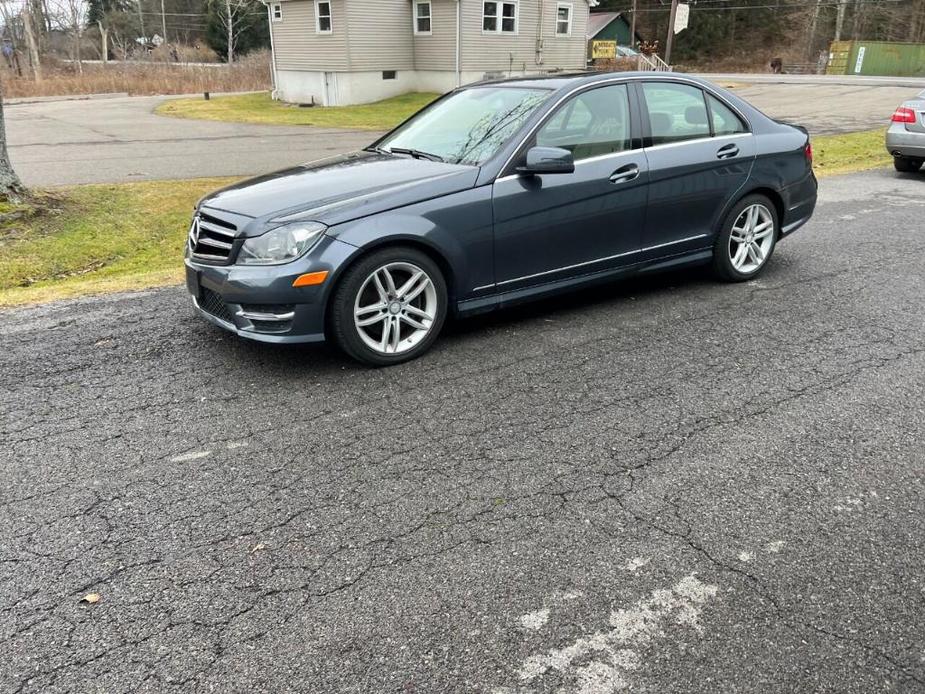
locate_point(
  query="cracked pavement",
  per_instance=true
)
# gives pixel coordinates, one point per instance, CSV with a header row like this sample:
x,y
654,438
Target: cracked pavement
x,y
667,485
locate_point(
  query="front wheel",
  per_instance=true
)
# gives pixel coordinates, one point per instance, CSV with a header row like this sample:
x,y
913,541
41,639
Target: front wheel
x,y
746,240
389,307
907,165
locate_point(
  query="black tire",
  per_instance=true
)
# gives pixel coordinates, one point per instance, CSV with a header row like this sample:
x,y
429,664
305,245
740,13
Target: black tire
x,y
343,326
723,266
907,165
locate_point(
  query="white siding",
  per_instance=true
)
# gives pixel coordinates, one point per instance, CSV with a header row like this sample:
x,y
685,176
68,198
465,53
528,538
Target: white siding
x,y
299,47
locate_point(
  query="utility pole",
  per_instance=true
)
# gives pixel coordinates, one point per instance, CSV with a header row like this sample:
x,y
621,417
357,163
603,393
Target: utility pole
x,y
633,27
141,21
671,18
163,22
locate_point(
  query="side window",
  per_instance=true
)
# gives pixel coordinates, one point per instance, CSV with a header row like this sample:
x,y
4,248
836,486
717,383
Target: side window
x,y
593,123
323,24
677,112
277,12
725,122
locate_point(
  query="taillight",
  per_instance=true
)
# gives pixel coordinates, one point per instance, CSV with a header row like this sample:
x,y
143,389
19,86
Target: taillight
x,y
903,115
808,152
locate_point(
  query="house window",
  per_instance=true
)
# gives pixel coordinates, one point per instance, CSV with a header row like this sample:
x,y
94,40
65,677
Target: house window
x,y
422,18
499,17
389,75
564,19
323,24
277,12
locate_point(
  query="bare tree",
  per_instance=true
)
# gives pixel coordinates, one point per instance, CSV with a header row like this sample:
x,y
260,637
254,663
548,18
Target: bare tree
x,y
10,186
232,14
73,15
29,29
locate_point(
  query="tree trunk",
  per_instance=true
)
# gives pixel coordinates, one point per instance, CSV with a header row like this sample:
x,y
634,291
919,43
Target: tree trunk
x,y
28,27
80,67
229,25
10,186
840,19
104,43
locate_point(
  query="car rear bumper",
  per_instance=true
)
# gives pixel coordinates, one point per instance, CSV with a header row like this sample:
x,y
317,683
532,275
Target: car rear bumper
x,y
800,201
260,303
904,143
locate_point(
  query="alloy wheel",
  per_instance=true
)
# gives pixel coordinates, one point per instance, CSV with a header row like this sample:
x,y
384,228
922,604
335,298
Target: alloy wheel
x,y
751,239
395,308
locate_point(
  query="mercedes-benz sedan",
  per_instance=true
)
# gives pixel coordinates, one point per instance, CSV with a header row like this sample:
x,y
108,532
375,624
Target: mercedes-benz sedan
x,y
494,194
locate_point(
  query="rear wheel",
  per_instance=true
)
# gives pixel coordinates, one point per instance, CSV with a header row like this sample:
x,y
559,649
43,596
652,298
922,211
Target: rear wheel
x,y
389,307
747,239
907,164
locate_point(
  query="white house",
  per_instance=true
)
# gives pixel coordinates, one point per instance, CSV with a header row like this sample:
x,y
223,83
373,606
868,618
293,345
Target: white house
x,y
339,52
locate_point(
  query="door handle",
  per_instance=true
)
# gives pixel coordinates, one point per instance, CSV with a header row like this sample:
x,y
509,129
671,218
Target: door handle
x,y
625,173
727,151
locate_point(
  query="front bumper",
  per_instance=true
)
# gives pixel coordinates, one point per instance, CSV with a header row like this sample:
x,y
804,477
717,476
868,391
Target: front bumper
x,y
904,143
260,303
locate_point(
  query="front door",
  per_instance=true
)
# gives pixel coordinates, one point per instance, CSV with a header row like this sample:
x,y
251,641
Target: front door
x,y
555,226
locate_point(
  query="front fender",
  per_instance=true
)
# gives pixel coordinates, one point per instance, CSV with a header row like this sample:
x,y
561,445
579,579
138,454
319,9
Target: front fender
x,y
456,229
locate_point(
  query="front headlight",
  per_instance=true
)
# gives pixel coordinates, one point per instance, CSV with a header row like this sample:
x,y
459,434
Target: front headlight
x,y
281,245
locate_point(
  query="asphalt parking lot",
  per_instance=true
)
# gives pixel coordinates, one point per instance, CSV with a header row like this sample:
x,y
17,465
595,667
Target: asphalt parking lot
x,y
117,140
669,485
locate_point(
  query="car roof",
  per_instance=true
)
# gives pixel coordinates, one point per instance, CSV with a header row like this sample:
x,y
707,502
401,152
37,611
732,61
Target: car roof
x,y
556,81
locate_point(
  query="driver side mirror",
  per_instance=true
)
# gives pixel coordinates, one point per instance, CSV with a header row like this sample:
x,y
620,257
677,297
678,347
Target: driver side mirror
x,y
547,160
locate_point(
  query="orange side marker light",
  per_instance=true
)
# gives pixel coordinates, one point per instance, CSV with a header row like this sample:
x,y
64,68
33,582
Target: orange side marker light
x,y
310,279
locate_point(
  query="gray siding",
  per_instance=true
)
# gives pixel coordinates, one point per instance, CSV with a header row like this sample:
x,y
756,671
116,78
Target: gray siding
x,y
372,35
494,52
299,47
380,34
438,51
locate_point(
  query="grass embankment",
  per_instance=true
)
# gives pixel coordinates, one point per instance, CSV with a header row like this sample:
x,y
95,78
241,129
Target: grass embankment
x,y
96,238
260,108
835,154
99,238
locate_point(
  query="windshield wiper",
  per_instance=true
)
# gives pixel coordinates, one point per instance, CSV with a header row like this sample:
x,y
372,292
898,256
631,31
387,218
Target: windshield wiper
x,y
416,153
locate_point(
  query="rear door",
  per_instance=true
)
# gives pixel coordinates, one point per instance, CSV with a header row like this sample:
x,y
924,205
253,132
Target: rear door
x,y
699,152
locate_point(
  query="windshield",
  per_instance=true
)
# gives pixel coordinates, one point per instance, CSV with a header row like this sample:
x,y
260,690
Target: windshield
x,y
467,127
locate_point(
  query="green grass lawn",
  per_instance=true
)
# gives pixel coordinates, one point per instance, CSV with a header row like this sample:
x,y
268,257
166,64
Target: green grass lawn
x,y
834,154
95,238
260,108
98,238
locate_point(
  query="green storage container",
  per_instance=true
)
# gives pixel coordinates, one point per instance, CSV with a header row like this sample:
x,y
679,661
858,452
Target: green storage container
x,y
876,58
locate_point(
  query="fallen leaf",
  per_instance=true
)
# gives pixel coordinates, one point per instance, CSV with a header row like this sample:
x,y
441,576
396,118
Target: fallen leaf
x,y
91,598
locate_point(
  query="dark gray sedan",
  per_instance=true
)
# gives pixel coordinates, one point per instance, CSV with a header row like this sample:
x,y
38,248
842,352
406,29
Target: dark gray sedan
x,y
495,194
905,138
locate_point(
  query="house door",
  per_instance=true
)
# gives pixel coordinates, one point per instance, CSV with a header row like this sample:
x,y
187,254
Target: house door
x,y
330,89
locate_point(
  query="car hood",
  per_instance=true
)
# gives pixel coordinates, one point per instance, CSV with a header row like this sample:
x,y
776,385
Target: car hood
x,y
339,189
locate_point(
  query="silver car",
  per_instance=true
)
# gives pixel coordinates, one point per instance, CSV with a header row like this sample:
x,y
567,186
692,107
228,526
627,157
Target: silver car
x,y
905,139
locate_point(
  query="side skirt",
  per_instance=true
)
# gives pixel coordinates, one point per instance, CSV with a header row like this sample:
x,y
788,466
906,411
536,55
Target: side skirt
x,y
484,304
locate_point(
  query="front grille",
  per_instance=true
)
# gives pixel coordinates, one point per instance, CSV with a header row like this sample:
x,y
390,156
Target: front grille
x,y
211,239
210,302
